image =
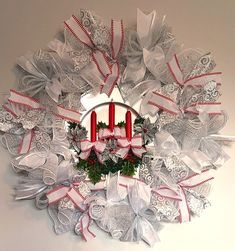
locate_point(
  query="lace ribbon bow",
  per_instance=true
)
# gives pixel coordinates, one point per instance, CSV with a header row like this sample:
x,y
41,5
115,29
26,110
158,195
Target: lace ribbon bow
x,y
178,192
190,182
40,75
139,197
167,145
155,100
82,225
106,65
18,103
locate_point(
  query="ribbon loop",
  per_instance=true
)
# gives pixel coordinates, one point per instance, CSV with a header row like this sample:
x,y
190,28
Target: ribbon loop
x,y
190,182
135,144
73,194
118,132
109,69
117,33
87,146
25,102
79,31
84,223
139,196
175,70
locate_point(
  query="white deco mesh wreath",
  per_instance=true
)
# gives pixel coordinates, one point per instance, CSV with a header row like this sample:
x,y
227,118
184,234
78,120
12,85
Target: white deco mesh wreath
x,y
173,149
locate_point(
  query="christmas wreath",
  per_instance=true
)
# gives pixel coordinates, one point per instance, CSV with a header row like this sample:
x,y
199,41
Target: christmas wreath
x,y
127,179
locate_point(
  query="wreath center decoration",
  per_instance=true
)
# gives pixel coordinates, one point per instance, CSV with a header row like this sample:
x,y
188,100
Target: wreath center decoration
x,y
114,150
131,175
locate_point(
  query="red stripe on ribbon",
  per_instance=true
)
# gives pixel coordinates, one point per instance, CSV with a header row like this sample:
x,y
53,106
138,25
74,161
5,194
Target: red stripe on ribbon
x,y
165,97
161,107
61,192
117,28
110,74
190,182
9,110
85,222
68,114
24,100
18,98
111,80
79,31
204,75
103,67
175,70
26,142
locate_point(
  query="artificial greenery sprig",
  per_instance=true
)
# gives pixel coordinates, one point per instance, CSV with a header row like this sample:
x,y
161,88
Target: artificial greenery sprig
x,y
96,169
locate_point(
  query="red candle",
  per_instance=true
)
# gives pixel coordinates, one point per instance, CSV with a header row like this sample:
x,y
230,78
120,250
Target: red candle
x,y
93,126
111,116
128,125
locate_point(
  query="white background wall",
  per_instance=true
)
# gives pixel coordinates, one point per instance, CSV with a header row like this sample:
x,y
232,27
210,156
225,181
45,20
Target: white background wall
x,y
208,24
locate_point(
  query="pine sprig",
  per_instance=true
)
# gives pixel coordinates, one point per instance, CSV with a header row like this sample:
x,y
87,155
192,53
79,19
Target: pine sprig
x,y
95,169
121,124
72,125
139,120
101,124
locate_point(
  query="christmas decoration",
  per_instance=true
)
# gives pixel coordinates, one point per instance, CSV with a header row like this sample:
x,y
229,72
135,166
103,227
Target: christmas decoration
x,y
152,166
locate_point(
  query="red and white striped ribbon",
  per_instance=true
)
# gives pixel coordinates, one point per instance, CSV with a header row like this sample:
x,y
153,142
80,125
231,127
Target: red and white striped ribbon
x,y
117,37
19,103
87,146
117,41
174,68
20,99
211,108
167,192
85,222
164,103
180,195
79,31
111,80
102,63
200,80
190,182
109,70
68,114
203,79
24,100
61,192
26,142
135,144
